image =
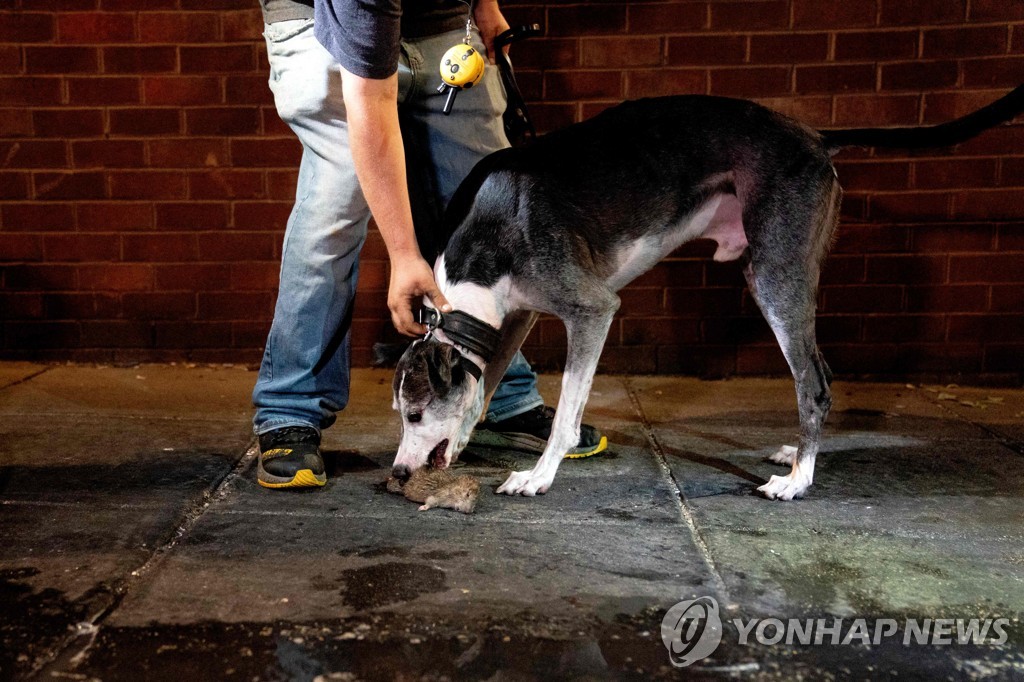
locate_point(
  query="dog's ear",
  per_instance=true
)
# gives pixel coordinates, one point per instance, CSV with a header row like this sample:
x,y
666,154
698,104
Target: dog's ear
x,y
388,354
444,369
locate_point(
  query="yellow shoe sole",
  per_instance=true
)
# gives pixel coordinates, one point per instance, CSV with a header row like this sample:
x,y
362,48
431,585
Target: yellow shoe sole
x,y
303,478
600,447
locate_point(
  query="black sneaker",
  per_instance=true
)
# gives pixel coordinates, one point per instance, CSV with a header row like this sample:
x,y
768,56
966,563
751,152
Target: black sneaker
x,y
530,430
290,458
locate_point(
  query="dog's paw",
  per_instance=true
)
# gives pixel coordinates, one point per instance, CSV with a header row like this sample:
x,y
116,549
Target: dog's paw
x,y
785,455
525,483
785,487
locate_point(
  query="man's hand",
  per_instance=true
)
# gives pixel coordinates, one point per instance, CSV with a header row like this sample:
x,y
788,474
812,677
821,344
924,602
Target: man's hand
x,y
412,278
491,23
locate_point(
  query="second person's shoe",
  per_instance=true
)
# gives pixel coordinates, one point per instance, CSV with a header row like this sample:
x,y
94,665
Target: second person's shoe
x,y
529,431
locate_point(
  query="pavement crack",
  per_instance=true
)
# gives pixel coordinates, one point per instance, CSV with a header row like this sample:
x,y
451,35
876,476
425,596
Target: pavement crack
x,y
22,380
685,511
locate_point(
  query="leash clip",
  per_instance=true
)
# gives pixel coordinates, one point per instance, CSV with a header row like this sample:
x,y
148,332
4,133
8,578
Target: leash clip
x,y
431,317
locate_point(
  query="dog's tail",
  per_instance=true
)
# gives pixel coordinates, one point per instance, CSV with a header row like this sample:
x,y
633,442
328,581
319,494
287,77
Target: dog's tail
x,y
942,135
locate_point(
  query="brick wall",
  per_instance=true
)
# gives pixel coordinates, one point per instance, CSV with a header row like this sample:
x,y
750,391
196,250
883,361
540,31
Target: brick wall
x,y
145,179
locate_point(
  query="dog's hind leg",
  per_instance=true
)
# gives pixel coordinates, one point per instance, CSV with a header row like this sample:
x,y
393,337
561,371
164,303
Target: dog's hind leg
x,y
587,325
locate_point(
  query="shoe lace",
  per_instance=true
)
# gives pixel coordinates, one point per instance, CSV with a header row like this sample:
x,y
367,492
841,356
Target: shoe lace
x,y
293,434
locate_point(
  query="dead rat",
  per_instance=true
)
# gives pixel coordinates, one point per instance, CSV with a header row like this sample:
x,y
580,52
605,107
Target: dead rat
x,y
439,488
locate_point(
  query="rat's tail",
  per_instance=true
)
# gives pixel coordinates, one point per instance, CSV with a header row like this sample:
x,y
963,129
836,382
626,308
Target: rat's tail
x,y
942,135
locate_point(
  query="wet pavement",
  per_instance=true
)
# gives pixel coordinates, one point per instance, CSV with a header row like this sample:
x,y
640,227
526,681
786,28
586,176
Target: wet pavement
x,y
137,545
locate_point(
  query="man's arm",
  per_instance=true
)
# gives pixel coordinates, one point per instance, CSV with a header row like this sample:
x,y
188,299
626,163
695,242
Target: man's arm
x,y
376,142
491,22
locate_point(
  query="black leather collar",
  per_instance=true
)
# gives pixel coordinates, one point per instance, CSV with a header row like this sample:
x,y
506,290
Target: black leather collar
x,y
465,330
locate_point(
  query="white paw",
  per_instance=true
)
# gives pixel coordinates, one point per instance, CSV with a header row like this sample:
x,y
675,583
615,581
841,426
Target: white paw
x,y
526,483
785,455
785,487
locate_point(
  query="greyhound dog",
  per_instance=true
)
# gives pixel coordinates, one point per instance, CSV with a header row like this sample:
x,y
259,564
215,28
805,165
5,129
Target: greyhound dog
x,y
562,224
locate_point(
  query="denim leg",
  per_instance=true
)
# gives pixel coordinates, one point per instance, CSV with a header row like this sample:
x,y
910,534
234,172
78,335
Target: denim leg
x,y
443,151
304,377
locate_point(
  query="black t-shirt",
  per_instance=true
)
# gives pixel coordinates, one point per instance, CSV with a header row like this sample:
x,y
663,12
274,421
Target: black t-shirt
x,y
364,35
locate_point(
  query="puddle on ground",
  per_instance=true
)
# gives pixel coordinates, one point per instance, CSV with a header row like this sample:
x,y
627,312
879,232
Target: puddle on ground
x,y
388,583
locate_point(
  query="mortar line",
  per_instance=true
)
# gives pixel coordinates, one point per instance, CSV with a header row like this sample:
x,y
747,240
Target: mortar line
x,y
74,647
684,507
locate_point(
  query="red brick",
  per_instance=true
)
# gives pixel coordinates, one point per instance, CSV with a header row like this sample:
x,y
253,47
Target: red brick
x,y
952,237
1010,237
264,152
835,79
281,185
240,246
192,334
29,90
222,121
987,268
667,17
192,215
95,27
832,14
904,328
547,117
188,153
907,269
226,184
19,306
621,52
87,185
138,60
185,90
34,154
815,111
760,14
243,26
788,48
161,247
274,126
877,110
81,247
583,84
253,89
116,277
1008,298
890,175
658,82
115,216
989,205
965,42
264,215
159,306
1005,72
872,239
986,327
750,82
1008,357
147,184
40,277
14,185
658,330
862,299
20,247
919,76
234,305
145,121
117,334
192,277
72,305
65,123
955,173
211,59
912,206
38,216
108,154
10,59
16,122
707,50
946,299
35,335
255,276
996,10
70,5
26,27
137,5
104,91
61,60
922,12
586,20
178,27
940,107
876,45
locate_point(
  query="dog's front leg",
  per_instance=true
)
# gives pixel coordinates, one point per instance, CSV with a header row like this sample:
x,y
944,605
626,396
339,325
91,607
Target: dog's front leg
x,y
587,334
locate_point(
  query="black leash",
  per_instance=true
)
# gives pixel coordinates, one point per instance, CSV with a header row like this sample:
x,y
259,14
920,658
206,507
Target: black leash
x,y
465,330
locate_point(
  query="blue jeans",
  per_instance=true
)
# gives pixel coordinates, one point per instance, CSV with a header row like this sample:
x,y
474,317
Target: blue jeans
x,y
304,377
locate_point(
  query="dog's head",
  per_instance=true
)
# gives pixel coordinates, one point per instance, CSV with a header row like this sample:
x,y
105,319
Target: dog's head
x,y
440,403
